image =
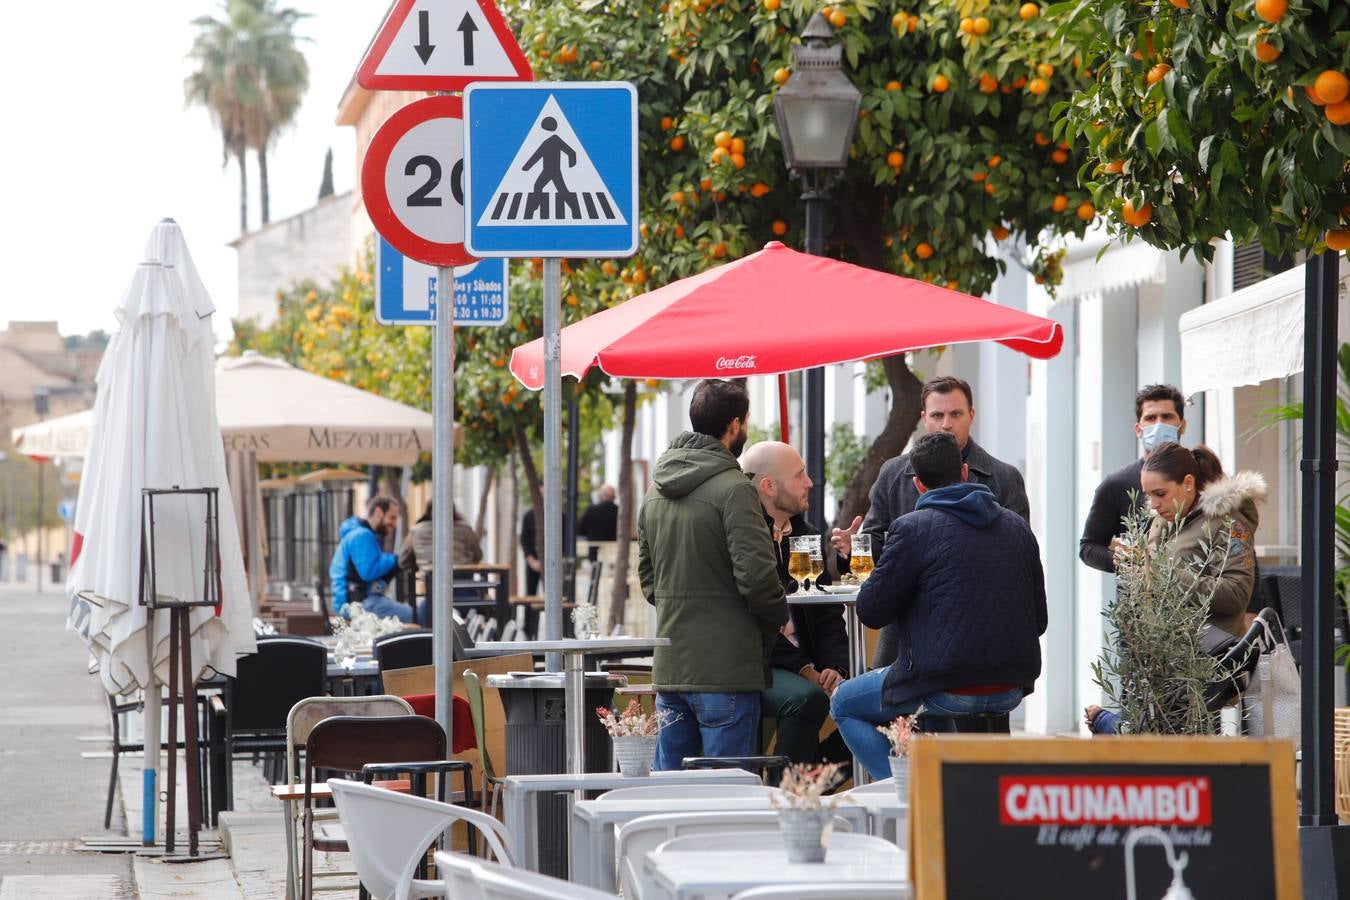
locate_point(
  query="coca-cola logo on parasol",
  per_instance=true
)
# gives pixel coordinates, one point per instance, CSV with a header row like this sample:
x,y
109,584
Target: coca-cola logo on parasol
x,y
734,362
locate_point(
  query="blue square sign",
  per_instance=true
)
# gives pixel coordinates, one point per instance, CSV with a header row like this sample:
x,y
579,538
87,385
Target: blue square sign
x,y
551,169
405,290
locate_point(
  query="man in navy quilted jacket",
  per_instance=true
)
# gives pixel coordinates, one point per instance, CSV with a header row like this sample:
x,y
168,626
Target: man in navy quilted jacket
x,y
962,578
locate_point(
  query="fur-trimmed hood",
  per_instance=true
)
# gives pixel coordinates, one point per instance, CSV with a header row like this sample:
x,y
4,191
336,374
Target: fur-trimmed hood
x,y
1228,496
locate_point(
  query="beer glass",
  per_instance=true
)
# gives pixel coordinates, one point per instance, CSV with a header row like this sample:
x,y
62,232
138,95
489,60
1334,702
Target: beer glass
x,y
799,560
817,562
860,561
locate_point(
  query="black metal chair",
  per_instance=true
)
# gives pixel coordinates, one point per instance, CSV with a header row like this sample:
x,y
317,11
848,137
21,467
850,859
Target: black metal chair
x,y
403,649
767,766
119,746
284,671
1286,584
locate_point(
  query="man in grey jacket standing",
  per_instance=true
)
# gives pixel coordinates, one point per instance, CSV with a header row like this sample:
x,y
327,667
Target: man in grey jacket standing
x,y
706,562
948,406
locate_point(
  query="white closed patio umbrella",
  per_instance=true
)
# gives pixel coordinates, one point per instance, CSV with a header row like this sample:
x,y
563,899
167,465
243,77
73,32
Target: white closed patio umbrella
x,y
154,426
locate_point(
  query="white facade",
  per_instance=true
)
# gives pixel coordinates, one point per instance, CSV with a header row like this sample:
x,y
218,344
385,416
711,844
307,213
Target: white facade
x,y
313,244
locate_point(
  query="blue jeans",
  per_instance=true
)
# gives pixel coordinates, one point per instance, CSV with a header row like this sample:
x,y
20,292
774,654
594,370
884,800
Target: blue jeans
x,y
858,709
380,605
698,723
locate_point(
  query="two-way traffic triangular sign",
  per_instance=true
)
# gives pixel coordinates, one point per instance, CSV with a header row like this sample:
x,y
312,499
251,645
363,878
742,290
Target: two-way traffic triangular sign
x,y
442,45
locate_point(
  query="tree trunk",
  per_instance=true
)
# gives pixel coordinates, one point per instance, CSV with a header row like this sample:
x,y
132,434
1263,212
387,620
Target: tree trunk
x,y
900,423
483,502
242,156
623,537
513,542
263,199
864,234
532,477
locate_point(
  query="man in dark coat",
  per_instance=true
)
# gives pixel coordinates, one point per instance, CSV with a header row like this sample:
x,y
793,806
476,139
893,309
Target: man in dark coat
x,y
810,655
1159,418
948,408
961,579
600,521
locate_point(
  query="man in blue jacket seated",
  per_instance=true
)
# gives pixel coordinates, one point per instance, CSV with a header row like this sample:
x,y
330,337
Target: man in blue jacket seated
x,y
360,569
962,577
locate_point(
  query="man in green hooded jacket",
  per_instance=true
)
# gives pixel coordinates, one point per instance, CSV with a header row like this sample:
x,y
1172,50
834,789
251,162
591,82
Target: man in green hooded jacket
x,y
706,561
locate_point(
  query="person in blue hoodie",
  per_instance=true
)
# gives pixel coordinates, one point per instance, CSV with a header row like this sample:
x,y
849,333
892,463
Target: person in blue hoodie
x,y
360,568
962,577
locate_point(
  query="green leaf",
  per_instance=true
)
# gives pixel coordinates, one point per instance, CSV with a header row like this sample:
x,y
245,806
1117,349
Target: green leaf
x,y
1178,131
1206,144
1152,138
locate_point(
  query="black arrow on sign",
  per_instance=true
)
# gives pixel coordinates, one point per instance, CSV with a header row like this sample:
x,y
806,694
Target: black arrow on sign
x,y
424,47
467,27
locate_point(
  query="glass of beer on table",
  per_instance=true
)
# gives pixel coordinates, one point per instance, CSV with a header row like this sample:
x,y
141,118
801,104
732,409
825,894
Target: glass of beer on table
x,y
799,560
860,560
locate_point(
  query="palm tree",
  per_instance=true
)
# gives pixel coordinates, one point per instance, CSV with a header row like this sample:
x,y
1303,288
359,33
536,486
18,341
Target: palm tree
x,y
251,77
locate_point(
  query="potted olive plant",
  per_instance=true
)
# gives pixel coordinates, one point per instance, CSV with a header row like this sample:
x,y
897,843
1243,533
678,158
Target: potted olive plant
x,y
804,811
900,732
634,733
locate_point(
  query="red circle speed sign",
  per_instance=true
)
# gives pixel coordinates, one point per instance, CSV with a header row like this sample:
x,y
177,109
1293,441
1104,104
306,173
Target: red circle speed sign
x,y
413,181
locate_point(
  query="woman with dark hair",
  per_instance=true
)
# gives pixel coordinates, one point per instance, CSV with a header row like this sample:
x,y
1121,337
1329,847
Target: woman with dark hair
x,y
1193,504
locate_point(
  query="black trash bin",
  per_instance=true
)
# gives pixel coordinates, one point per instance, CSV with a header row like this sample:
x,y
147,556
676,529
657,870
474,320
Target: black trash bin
x,y
536,716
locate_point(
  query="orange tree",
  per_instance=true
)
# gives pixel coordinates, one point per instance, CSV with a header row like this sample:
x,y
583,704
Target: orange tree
x,y
1204,119
953,158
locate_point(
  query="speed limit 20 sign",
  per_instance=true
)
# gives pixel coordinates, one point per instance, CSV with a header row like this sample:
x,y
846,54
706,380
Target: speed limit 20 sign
x,y
413,181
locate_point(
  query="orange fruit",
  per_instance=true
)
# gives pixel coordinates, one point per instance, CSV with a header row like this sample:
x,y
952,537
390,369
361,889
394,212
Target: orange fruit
x,y
719,154
1158,73
895,159
719,250
924,250
667,123
677,198
677,143
722,139
892,85
1331,86
838,19
1042,140
1060,203
1060,156
1136,218
737,145
1182,4
782,74
1029,11
595,65
1045,70
1000,233
1086,211
679,231
1038,86
780,227
989,188
988,84
1114,167
1266,53
979,176
705,184
1338,113
640,276
572,300
995,161
982,26
759,189
1272,10
1338,239
772,5
608,267
898,21
912,24
967,25
1314,96
940,84
738,160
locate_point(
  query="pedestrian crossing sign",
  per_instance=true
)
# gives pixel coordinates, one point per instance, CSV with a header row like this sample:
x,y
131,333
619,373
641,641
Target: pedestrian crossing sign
x,y
551,169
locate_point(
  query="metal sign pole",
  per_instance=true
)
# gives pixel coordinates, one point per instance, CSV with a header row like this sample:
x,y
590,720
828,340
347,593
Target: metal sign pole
x,y
443,494
553,625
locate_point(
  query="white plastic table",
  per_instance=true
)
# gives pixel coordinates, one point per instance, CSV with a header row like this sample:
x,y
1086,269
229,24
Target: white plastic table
x,y
574,684
713,875
857,644
595,822
520,795
887,817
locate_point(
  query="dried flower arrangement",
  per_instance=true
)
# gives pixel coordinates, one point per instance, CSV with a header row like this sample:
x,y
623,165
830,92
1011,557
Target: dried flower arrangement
x,y
900,730
804,786
632,722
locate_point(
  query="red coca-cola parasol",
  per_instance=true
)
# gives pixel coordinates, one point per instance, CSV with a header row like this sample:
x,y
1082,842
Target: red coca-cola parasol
x,y
779,310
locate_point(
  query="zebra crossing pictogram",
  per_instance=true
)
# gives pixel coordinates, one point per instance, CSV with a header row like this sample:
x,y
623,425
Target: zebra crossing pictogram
x,y
551,180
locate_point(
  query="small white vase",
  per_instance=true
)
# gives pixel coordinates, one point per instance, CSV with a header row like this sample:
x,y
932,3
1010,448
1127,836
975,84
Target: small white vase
x,y
804,834
900,772
635,753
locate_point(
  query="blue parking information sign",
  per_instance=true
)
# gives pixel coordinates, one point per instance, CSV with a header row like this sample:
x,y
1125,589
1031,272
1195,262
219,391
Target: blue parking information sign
x,y
405,290
551,169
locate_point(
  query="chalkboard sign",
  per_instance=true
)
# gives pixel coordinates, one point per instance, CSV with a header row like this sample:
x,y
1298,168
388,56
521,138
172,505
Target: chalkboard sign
x,y
1010,818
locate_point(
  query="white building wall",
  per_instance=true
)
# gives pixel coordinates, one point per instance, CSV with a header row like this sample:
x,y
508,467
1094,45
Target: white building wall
x,y
314,244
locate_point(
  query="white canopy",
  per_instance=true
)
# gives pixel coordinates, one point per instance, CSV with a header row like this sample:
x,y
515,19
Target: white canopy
x,y
282,413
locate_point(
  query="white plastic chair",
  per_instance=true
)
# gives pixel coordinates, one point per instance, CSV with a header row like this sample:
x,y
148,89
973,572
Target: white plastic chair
x,y
765,840
640,836
688,792
852,890
496,882
457,871
388,834
884,786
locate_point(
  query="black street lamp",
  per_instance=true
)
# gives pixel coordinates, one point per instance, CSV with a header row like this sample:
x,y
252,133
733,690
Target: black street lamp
x,y
817,114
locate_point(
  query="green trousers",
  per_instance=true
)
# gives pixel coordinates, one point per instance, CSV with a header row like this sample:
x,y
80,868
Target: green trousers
x,y
801,709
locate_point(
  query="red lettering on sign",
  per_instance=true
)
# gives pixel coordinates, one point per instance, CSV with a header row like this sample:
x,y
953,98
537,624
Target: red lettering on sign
x,y
1104,800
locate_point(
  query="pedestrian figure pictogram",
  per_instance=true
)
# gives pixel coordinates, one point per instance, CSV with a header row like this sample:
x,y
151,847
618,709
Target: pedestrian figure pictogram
x,y
552,180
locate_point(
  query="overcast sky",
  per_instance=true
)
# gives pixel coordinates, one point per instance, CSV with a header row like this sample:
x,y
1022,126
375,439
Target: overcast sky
x,y
97,146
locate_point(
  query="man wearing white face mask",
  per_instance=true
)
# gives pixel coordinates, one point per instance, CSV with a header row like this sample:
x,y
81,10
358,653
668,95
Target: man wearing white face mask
x,y
1160,417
